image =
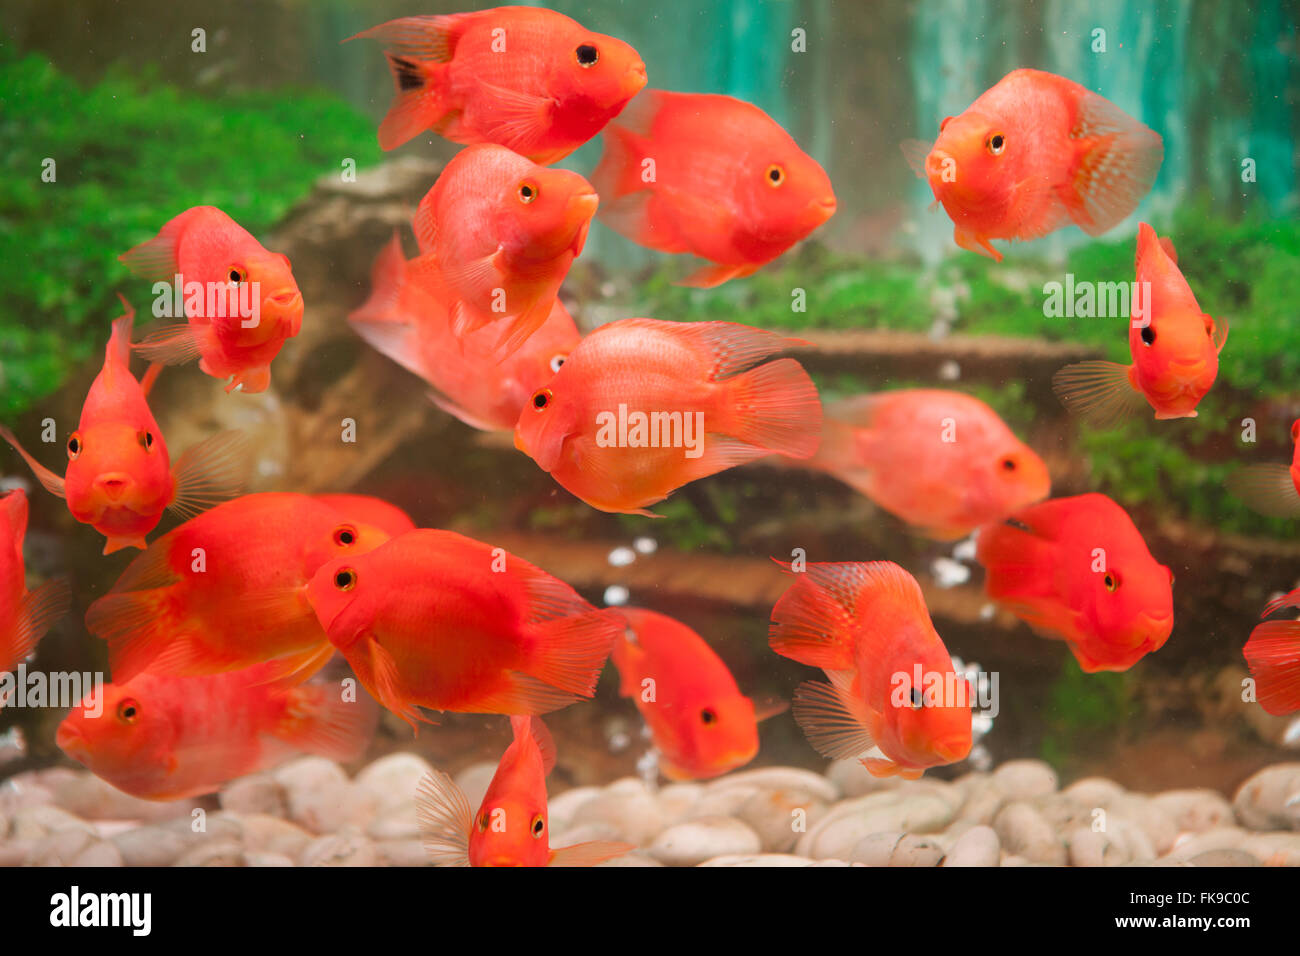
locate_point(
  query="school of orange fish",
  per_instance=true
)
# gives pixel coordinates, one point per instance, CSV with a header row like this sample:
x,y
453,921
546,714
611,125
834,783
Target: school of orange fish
x,y
215,628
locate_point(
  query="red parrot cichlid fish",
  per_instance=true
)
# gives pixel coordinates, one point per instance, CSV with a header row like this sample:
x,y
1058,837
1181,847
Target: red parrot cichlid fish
x,y
162,737
407,318
702,725
240,302
512,827
437,620
641,407
1033,154
1175,348
498,233
120,478
894,700
530,79
1272,490
222,591
942,461
25,615
712,176
1077,569
1273,655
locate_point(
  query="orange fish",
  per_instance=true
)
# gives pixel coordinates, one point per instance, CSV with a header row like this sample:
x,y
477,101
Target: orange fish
x,y
512,827
434,619
701,723
1077,569
218,592
712,176
25,615
499,233
1272,490
940,460
1033,154
239,301
1273,654
168,738
1175,348
530,79
893,693
642,407
408,319
120,478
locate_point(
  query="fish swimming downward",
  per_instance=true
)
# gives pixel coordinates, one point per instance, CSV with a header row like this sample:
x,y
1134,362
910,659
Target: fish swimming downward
x,y
223,591
527,78
1273,654
163,737
408,319
1036,153
1077,569
894,699
512,827
25,615
499,233
712,176
240,302
1175,348
702,725
120,478
942,461
641,407
437,620
1272,490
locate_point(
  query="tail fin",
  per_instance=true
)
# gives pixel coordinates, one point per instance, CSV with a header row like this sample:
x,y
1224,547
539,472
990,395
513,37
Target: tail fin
x,y
445,819
776,407
379,320
619,172
533,730
574,638
1116,167
119,343
1273,654
319,721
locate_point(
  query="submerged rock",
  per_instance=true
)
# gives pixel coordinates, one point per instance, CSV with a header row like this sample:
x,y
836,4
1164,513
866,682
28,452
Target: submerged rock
x,y
693,842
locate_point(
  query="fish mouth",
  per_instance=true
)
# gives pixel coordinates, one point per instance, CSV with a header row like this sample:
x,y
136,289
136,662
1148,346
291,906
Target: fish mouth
x,y
637,76
953,749
501,861
70,740
114,485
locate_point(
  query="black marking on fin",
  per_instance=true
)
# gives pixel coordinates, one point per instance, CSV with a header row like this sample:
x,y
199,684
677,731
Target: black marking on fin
x,y
1019,525
407,73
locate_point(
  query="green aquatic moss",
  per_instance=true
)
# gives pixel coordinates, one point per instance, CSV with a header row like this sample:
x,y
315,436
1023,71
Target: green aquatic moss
x,y
1083,706
130,153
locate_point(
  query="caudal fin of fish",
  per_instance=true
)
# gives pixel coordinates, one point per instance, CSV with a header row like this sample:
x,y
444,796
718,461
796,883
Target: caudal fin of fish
x,y
535,731
38,612
620,171
709,276
1273,654
445,819
1268,489
317,720
1118,159
48,479
416,50
834,720
380,321
210,472
1101,393
588,854
775,408
573,638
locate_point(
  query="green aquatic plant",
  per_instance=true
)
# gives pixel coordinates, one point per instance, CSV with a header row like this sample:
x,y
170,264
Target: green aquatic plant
x,y
119,159
1083,707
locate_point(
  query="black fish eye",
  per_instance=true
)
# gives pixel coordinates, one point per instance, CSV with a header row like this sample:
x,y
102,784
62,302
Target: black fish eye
x,y
128,711
483,822
556,362
775,175
918,699
1008,464
1111,582
708,715
345,536
538,825
587,55
541,399
1148,335
146,440
345,579
74,446
997,143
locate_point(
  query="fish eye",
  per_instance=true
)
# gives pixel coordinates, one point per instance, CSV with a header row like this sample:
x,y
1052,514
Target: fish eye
x,y
345,536
709,715
542,399
345,579
1148,336
528,192
775,175
538,827
483,822
587,56
1008,464
146,440
128,711
918,699
237,274
1111,581
996,143
556,362
74,446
